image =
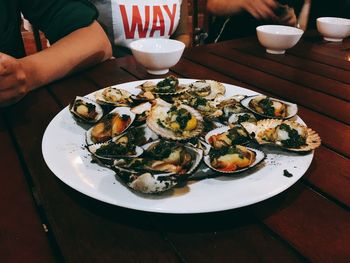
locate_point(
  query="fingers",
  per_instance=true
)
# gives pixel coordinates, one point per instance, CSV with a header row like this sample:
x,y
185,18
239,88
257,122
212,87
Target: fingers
x,y
8,64
261,9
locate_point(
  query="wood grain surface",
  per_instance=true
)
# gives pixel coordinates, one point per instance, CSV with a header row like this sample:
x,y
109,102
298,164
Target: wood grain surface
x,y
308,222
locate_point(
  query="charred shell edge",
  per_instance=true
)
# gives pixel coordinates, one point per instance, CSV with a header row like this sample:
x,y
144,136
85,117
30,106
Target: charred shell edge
x,y
292,108
94,147
259,157
147,182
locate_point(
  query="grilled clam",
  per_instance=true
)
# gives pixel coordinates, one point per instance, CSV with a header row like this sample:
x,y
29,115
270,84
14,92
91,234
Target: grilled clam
x,y
142,111
124,145
208,89
114,123
147,182
113,96
287,134
230,106
169,156
238,118
175,122
270,107
86,110
207,108
227,136
233,159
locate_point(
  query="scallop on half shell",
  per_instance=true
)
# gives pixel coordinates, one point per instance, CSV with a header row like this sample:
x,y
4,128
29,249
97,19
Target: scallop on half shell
x,y
270,107
208,89
289,135
86,110
179,122
233,159
111,125
113,96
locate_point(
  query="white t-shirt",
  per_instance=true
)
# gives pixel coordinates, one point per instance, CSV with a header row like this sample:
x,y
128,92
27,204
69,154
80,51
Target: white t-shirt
x,y
134,19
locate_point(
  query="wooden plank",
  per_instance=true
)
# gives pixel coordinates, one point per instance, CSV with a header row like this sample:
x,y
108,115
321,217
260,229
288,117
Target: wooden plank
x,y
326,176
297,62
298,76
317,101
315,226
86,230
22,236
224,237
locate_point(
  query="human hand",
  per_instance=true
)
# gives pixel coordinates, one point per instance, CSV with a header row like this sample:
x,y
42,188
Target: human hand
x,y
261,9
13,80
286,16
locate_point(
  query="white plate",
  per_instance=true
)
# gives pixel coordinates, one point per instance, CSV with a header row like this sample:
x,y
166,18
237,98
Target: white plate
x,y
64,152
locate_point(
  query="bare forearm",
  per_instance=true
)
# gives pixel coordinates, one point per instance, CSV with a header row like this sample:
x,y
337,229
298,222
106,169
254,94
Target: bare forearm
x,y
78,50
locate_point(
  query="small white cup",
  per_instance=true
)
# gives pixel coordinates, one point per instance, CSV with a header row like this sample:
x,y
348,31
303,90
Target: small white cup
x,y
157,55
333,29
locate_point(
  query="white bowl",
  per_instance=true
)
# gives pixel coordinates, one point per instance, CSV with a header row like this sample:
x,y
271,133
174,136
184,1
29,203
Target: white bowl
x,y
276,39
157,55
333,28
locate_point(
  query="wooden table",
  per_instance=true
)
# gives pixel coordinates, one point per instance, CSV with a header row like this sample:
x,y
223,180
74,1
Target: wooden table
x,y
44,220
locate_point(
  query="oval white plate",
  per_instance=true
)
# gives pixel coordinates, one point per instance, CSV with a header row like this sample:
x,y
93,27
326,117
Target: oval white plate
x,y
65,155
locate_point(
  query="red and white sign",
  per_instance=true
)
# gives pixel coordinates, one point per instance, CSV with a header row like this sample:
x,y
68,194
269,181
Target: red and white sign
x,y
143,19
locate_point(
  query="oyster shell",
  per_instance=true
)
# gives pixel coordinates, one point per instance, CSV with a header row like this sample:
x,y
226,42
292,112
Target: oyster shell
x,y
233,159
230,106
208,89
114,123
113,96
147,182
124,145
169,156
207,108
287,134
227,136
175,122
86,110
270,107
142,111
237,118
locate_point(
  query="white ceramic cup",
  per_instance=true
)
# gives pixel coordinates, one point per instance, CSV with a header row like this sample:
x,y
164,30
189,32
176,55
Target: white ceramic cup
x,y
333,29
157,55
276,39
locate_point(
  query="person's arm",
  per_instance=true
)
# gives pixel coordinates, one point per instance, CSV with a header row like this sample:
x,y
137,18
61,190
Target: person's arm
x,y
81,48
181,33
260,9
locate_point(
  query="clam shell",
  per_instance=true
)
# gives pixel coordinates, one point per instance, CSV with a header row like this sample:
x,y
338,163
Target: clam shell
x,y
94,147
292,109
313,140
221,130
120,111
259,157
234,118
217,89
82,118
147,182
182,88
124,101
160,110
195,152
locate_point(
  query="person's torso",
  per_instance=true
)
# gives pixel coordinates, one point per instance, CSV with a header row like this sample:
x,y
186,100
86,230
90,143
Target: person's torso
x,y
10,35
131,19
